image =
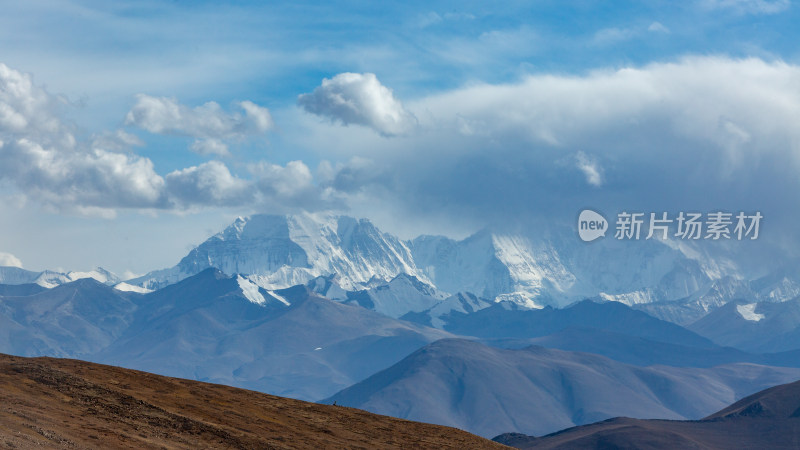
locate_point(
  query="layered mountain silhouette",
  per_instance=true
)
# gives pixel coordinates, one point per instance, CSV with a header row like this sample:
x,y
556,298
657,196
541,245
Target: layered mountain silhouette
x,y
755,327
471,386
528,331
308,347
292,342
213,327
767,419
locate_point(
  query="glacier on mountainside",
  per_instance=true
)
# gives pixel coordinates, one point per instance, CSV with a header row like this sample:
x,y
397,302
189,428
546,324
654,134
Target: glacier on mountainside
x,y
281,251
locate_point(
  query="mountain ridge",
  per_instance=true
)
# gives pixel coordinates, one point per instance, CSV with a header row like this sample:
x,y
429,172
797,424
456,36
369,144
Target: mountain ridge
x,y
468,385
532,268
59,403
766,419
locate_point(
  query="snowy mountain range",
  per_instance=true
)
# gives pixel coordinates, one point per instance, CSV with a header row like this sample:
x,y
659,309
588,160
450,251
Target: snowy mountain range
x,y
440,282
532,268
50,278
351,260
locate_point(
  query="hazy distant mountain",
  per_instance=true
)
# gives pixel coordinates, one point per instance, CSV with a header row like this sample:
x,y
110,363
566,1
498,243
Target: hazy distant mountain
x,y
779,285
536,391
71,320
49,278
212,327
17,290
688,310
548,265
463,303
766,419
402,295
16,275
645,352
755,327
507,321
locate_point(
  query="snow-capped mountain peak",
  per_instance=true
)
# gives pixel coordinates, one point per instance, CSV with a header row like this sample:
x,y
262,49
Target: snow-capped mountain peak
x,y
277,251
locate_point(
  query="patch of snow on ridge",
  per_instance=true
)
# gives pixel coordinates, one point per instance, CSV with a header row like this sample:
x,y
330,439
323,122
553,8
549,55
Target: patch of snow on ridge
x,y
630,298
250,290
49,279
748,312
520,298
125,287
280,299
98,274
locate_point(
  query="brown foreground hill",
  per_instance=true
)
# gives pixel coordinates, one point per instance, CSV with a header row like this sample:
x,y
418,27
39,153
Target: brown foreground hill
x,y
769,419
47,402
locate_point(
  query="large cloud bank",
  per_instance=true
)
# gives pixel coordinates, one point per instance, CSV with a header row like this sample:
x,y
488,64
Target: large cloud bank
x,y
700,133
42,159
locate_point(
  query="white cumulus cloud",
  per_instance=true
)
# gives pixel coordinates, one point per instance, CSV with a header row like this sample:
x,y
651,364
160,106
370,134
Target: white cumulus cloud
x,y
41,159
210,183
209,124
292,184
9,260
210,147
288,181
699,133
355,98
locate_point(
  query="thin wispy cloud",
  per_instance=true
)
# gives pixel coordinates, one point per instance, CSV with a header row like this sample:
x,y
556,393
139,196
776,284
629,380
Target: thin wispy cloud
x,y
748,6
634,136
590,169
657,27
613,35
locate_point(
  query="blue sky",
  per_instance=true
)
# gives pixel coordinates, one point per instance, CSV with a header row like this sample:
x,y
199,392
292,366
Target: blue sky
x,y
452,115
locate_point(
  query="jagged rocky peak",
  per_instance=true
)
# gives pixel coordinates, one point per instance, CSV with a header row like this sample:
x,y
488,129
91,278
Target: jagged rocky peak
x,y
278,251
259,226
258,244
